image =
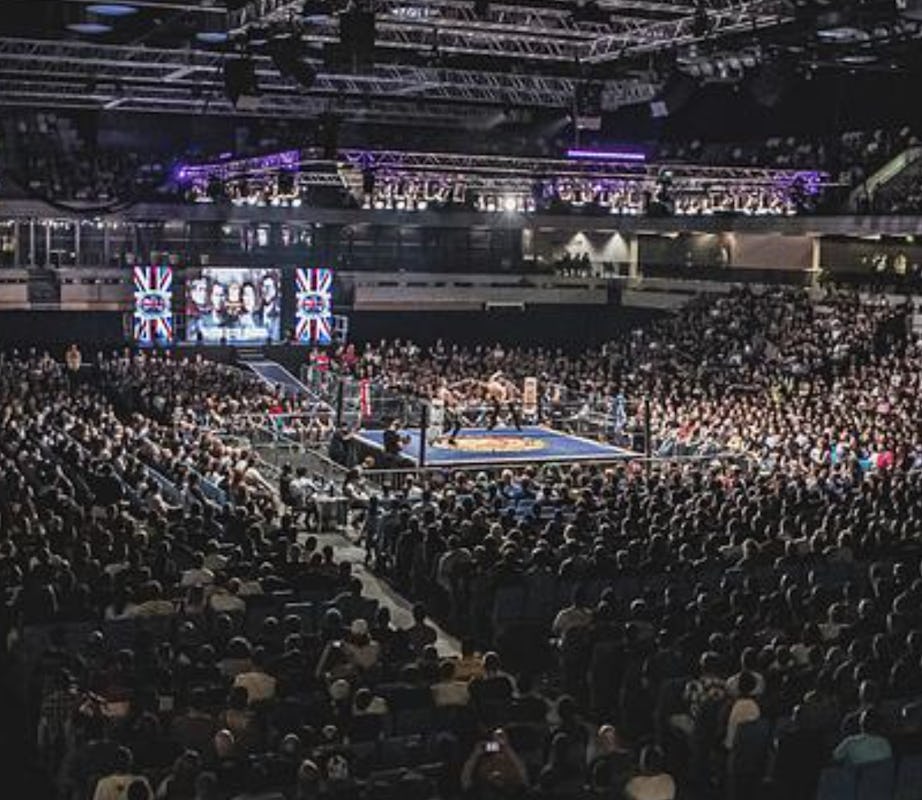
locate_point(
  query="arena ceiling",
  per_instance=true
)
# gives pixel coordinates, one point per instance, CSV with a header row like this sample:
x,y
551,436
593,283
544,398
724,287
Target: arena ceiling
x,y
449,61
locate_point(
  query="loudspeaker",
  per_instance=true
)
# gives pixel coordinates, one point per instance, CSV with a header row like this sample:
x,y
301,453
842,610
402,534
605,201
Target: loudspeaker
x,y
240,82
588,106
678,90
357,40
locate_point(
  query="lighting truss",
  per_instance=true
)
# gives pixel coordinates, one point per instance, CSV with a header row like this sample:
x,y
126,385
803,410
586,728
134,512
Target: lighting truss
x,y
548,18
132,78
724,17
514,166
546,33
521,175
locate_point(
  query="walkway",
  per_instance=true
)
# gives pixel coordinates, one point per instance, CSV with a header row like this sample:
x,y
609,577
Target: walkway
x,y
275,374
374,587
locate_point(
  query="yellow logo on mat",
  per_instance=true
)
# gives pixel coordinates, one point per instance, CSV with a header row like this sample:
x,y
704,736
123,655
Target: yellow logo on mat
x,y
492,444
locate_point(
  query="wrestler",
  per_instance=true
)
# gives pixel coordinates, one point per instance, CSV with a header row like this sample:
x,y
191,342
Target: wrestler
x,y
500,392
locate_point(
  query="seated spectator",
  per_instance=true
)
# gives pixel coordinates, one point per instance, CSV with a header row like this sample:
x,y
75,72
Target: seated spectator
x,y
153,603
448,690
225,596
361,651
577,614
494,770
653,782
865,747
420,633
743,709
703,695
122,783
470,665
239,718
800,753
258,684
747,665
194,729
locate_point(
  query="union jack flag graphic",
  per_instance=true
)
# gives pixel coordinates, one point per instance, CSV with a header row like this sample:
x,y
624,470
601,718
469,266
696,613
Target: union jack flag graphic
x,y
315,330
314,305
153,305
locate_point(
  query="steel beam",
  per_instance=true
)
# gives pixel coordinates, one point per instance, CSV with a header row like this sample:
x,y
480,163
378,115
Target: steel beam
x,y
724,17
194,79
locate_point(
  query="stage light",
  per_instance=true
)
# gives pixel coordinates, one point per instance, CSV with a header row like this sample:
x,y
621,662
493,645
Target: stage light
x,y
212,37
296,202
89,28
509,203
112,9
608,155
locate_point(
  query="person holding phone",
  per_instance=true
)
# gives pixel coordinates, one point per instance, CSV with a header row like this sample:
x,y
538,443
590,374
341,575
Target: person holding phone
x,y
494,769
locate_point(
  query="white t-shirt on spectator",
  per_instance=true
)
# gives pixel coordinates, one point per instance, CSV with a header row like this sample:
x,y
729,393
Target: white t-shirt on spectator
x,y
259,685
650,787
744,710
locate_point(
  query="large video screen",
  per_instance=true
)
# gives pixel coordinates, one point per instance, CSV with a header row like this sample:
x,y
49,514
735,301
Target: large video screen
x,y
314,305
153,305
237,306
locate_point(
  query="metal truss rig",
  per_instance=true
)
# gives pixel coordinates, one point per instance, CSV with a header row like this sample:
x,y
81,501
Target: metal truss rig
x,y
545,32
151,79
511,172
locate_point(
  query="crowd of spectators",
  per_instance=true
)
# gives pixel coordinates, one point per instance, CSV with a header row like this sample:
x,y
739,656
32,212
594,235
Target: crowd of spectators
x,y
707,628
760,373
850,158
62,164
55,162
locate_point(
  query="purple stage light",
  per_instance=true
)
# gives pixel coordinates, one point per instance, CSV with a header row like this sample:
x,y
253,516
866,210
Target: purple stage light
x,y
608,155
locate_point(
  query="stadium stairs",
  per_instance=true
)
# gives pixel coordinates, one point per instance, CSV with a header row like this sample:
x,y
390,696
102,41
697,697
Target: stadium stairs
x,y
272,373
892,179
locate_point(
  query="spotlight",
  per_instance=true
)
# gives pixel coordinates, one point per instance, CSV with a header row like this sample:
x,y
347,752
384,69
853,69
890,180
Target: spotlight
x,y
509,203
89,28
112,9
